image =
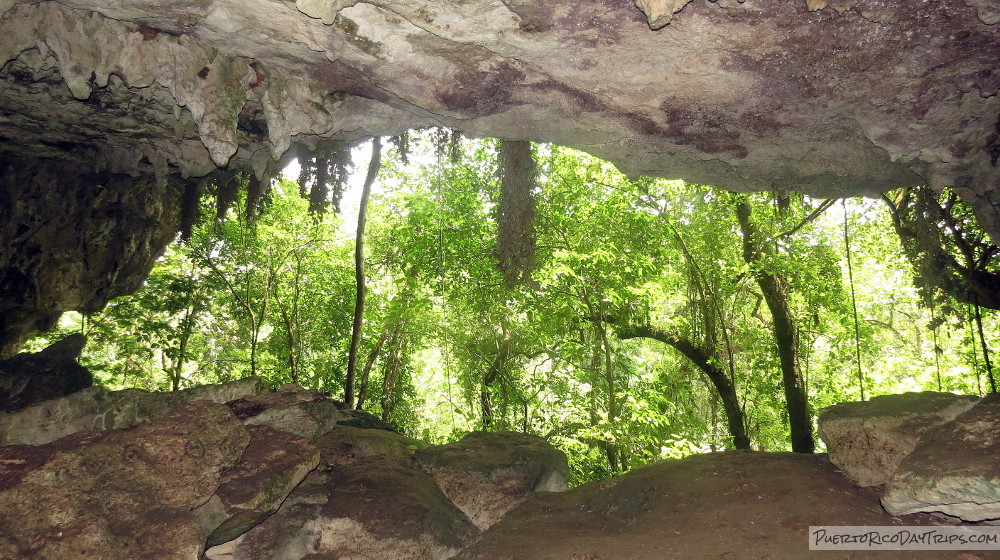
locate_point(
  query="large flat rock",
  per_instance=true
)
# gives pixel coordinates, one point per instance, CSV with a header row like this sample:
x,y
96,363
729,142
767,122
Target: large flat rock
x,y
736,504
868,440
955,469
120,495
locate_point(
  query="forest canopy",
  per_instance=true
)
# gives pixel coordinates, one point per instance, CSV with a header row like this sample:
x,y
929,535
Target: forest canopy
x,y
623,320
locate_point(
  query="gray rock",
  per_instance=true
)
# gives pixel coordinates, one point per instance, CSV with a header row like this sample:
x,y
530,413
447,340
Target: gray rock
x,y
292,409
54,372
488,474
868,440
96,408
955,469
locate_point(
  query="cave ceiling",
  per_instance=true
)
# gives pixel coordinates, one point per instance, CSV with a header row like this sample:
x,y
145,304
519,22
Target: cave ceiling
x,y
825,97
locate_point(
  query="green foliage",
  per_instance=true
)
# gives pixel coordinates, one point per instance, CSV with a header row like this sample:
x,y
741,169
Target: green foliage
x,y
449,348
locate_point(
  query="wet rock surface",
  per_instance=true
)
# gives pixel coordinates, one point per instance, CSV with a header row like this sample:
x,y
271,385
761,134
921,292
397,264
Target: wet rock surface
x,y
868,440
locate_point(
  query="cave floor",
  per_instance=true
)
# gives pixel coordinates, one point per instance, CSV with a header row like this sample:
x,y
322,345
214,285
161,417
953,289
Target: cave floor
x,y
734,505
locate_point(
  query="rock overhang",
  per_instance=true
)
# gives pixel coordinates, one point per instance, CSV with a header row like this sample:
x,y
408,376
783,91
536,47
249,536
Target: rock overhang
x,y
831,99
848,99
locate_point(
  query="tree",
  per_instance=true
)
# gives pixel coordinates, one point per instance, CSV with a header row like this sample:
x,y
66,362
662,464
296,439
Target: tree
x,y
756,253
359,272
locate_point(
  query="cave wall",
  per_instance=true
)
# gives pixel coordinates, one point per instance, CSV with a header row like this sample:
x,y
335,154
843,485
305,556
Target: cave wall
x,y
73,239
107,108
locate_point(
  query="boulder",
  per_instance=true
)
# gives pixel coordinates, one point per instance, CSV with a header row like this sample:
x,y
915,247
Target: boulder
x,y
292,409
364,501
347,445
26,379
868,440
361,419
130,494
955,469
96,408
488,474
275,462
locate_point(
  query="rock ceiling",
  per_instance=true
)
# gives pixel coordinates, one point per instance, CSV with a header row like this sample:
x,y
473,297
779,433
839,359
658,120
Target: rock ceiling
x,y
827,97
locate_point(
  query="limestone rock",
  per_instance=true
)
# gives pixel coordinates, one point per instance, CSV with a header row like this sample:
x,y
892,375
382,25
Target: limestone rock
x,y
488,474
133,494
660,12
303,412
362,419
955,469
140,98
54,372
346,445
368,505
50,216
868,440
96,408
274,463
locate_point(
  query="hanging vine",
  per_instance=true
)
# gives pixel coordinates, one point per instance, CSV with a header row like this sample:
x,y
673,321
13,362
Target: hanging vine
x,y
323,173
516,237
949,250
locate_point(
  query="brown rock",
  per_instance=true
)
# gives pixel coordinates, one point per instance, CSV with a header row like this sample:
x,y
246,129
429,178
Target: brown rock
x,y
732,505
868,440
292,409
275,463
488,474
954,470
134,494
364,506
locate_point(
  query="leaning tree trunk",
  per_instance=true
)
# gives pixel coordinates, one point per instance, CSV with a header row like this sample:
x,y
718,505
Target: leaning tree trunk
x,y
703,359
359,273
493,373
775,293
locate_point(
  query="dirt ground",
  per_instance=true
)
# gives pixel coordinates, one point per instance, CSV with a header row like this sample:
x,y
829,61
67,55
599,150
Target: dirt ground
x,y
734,505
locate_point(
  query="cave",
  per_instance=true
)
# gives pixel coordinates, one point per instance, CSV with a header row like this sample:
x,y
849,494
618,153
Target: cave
x,y
112,112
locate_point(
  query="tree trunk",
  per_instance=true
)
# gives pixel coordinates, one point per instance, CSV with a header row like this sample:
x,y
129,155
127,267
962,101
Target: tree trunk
x,y
492,373
703,359
774,289
366,371
359,273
